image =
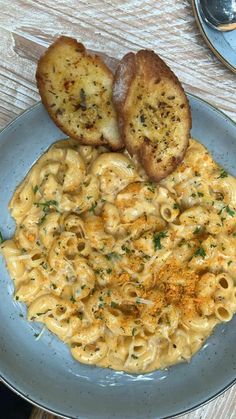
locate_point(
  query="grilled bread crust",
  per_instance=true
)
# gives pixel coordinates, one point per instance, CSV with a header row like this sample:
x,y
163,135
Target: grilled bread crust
x,y
153,112
76,90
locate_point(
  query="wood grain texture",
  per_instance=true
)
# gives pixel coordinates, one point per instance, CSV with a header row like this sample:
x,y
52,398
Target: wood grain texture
x,y
112,27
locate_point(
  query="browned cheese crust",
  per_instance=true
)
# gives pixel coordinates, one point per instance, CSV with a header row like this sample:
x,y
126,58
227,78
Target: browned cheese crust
x,y
153,112
76,90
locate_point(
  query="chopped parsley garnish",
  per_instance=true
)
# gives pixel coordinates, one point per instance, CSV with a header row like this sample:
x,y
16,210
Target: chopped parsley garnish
x,y
35,189
134,330
142,118
98,271
229,262
150,187
46,204
36,335
126,249
223,174
157,239
1,238
134,356
229,211
53,286
176,206
196,231
21,315
112,255
93,206
41,314
44,265
200,252
109,270
72,299
129,166
46,208
182,242
114,304
42,219
200,194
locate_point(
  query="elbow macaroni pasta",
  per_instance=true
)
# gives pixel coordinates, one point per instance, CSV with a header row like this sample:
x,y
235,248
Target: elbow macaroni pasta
x,y
131,274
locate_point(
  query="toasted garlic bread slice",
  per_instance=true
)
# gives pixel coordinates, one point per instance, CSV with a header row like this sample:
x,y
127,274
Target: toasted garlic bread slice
x,y
76,89
153,111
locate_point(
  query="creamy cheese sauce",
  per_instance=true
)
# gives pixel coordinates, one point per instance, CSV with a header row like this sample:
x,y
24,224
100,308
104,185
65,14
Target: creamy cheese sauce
x,y
132,275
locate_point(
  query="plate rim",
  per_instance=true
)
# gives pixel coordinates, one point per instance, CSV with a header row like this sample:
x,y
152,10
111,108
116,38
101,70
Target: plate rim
x,y
52,411
207,40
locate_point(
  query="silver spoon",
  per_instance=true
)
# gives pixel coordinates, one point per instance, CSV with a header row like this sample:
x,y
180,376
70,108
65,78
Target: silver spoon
x,y
219,14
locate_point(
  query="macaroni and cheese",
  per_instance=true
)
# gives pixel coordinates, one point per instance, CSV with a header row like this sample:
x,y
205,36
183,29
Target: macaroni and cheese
x,y
132,275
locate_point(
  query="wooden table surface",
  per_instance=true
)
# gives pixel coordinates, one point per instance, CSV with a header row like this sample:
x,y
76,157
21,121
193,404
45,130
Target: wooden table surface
x,y
113,27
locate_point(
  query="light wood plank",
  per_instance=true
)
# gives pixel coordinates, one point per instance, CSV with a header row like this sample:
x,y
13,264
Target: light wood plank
x,y
107,26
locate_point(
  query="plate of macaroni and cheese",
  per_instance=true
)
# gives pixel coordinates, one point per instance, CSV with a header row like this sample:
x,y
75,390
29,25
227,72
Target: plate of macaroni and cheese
x,y
117,289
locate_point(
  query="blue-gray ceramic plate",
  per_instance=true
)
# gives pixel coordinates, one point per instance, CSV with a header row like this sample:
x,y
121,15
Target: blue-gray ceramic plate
x,y
43,371
223,44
